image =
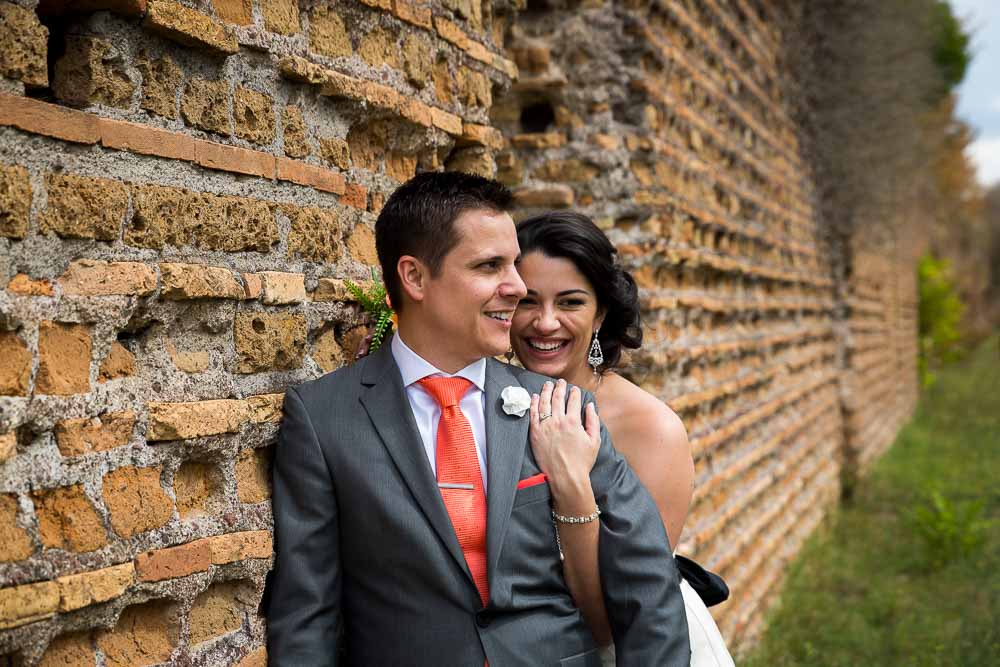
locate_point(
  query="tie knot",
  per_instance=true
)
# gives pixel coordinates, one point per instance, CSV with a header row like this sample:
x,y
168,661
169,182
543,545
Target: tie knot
x,y
446,391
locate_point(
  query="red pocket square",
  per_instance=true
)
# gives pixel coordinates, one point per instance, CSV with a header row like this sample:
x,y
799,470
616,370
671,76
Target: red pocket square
x,y
534,480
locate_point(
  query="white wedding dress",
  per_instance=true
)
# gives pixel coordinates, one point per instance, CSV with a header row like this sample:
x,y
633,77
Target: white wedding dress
x,y
708,648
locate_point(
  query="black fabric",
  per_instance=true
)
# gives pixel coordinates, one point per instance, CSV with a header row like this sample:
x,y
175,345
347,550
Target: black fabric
x,y
710,587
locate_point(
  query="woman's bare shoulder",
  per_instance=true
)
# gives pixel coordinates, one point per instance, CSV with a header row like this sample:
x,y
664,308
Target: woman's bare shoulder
x,y
641,417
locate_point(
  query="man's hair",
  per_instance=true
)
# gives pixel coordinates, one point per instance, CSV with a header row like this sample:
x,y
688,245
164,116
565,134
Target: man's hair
x,y
419,220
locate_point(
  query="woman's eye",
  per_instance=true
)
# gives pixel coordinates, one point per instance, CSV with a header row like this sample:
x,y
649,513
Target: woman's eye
x,y
572,303
527,301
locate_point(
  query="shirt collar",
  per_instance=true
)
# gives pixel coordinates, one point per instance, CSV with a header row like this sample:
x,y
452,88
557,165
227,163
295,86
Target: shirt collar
x,y
413,367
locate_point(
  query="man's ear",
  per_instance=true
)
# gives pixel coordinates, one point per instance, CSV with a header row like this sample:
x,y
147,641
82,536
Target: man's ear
x,y
413,276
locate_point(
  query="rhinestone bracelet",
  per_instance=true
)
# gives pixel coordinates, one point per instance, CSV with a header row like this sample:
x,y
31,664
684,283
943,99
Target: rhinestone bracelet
x,y
577,519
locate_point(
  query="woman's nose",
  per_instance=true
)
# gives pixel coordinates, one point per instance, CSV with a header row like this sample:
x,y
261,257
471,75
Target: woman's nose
x,y
546,323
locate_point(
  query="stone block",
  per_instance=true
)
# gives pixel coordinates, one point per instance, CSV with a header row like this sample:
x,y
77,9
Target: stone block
x,y
361,245
50,120
280,288
294,133
255,658
356,196
195,419
327,352
76,437
75,648
64,353
450,32
145,634
216,612
252,286
90,277
300,70
483,135
474,160
281,16
15,543
119,363
196,485
239,12
401,167
15,365
539,140
315,234
82,590
80,207
24,604
135,500
25,40
418,58
331,289
15,200
336,151
572,171
197,281
173,562
551,196
205,105
327,33
8,446
268,341
189,27
448,122
161,79
68,520
379,47
240,546
253,116
265,408
193,361
414,12
253,475
91,71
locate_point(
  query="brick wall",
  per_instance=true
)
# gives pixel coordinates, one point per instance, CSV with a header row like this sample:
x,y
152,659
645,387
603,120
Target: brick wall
x,y
184,186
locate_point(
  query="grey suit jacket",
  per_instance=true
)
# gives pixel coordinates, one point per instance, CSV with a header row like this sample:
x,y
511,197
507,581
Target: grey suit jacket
x,y
367,559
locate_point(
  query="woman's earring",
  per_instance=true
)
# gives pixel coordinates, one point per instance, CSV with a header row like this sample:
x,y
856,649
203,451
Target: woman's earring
x,y
596,355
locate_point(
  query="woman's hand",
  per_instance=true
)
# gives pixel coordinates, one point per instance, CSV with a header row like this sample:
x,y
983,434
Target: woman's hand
x,y
564,448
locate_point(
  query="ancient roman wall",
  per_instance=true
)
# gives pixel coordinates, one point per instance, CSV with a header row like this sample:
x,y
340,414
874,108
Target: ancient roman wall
x,y
184,186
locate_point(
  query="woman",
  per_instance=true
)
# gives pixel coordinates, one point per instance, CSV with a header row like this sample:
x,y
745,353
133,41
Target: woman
x,y
580,311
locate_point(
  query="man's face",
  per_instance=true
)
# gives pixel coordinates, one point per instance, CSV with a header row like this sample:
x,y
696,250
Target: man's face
x,y
471,301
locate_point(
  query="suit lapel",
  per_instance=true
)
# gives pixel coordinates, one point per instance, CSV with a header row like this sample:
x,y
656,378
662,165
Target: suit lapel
x,y
506,439
384,399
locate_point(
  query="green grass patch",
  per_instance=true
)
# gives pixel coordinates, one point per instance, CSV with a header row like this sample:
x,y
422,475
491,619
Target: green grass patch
x,y
908,571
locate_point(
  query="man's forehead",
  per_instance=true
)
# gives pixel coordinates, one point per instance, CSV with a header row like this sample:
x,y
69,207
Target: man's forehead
x,y
484,230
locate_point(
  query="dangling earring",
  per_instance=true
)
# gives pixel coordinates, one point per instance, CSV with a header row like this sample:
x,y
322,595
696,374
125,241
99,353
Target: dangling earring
x,y
596,355
509,354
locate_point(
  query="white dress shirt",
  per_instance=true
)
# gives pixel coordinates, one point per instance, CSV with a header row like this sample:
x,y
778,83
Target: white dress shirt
x,y
427,412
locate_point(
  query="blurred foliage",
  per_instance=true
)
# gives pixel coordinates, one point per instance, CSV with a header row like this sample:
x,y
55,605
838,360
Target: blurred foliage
x,y
863,591
951,45
940,314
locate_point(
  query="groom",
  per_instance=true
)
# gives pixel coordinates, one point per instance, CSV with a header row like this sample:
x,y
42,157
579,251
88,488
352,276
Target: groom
x,y
412,524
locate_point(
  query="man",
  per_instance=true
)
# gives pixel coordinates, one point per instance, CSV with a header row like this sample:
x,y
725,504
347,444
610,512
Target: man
x,y
410,516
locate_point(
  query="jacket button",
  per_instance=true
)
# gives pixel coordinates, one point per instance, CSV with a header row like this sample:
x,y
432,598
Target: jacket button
x,y
483,618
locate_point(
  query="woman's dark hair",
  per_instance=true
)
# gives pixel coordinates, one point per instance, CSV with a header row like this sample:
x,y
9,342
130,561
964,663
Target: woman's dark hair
x,y
419,220
574,236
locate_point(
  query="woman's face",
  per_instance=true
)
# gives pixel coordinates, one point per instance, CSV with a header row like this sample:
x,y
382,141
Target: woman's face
x,y
553,324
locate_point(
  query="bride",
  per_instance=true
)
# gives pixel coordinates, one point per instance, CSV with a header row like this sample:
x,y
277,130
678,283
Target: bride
x,y
580,311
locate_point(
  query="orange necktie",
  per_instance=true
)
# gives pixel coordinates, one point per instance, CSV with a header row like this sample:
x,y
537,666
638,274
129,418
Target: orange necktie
x,y
459,477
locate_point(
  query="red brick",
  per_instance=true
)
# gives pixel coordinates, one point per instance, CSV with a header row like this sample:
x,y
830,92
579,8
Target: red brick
x,y
356,196
230,158
416,111
174,562
448,122
307,174
135,138
451,32
189,27
48,119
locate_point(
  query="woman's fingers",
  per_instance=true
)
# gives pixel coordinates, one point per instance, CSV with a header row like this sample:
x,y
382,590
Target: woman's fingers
x,y
593,423
533,411
545,401
573,405
559,398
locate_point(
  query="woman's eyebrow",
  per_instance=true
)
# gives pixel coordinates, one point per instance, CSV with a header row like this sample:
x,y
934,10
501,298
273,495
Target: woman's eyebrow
x,y
573,291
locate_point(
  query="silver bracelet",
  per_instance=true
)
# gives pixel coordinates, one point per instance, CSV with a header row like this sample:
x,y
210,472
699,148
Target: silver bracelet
x,y
577,519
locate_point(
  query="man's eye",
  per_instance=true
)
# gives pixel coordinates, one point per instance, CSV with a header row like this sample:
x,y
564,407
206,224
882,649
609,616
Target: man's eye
x,y
490,266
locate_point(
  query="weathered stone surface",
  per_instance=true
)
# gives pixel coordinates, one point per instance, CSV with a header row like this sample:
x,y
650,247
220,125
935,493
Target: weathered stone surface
x,y
418,59
161,79
15,201
189,361
68,520
180,421
361,245
574,171
24,604
255,658
196,281
82,590
135,500
281,288
335,151
240,546
92,72
473,160
64,353
76,437
216,611
189,27
195,486
205,105
15,543
23,285
174,562
269,341
315,234
25,42
401,167
84,208
118,364
294,133
281,16
253,116
327,352
15,365
8,446
73,649
90,277
553,196
239,12
145,634
265,408
331,289
253,475
379,47
327,34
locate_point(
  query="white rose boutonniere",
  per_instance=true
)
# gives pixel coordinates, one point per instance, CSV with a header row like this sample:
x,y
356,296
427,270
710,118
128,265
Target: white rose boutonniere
x,y
516,400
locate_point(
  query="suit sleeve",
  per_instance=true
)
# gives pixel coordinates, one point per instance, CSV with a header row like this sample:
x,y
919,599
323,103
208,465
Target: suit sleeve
x,y
639,578
304,613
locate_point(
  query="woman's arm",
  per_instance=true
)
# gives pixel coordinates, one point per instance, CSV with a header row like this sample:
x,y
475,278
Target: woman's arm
x,y
565,451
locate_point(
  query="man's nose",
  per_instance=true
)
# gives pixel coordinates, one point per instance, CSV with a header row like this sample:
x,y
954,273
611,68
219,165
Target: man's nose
x,y
513,286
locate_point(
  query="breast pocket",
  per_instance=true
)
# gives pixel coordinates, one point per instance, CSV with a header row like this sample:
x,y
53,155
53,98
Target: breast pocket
x,y
532,494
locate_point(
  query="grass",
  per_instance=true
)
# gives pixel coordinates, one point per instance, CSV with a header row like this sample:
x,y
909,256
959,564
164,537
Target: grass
x,y
908,571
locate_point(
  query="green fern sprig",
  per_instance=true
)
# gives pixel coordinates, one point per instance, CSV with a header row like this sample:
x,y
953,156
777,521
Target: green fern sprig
x,y
373,301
